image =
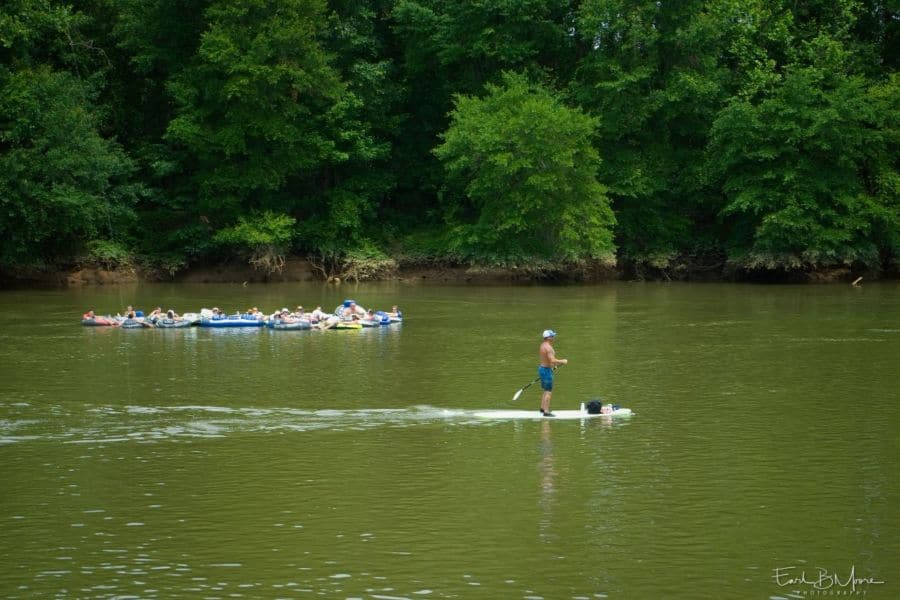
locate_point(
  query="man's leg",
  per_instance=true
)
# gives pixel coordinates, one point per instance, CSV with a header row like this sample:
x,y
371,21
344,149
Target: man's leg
x,y
547,386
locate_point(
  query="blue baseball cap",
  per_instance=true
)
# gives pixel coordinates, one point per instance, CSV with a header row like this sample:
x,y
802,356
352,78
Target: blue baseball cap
x,y
548,333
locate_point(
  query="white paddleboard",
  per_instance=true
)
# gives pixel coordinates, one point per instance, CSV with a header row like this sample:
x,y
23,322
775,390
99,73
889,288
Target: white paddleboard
x,y
560,414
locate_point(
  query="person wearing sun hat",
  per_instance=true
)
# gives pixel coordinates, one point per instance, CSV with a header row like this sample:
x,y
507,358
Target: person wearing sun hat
x,y
545,370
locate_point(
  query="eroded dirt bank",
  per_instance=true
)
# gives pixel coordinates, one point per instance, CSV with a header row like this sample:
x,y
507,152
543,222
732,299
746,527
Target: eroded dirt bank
x,y
297,269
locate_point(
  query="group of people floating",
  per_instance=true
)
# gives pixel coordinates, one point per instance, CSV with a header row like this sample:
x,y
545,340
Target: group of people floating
x,y
348,311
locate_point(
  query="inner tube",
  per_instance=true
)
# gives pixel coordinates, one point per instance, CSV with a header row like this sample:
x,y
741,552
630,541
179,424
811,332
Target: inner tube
x,y
295,326
230,322
97,322
132,324
172,323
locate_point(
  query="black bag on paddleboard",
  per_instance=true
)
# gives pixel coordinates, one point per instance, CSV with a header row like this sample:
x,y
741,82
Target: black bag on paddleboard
x,y
593,407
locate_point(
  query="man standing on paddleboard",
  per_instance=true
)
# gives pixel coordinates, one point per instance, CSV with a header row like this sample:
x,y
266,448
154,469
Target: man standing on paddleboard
x,y
545,371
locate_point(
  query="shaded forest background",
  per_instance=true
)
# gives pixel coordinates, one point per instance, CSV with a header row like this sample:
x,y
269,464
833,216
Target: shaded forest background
x,y
753,135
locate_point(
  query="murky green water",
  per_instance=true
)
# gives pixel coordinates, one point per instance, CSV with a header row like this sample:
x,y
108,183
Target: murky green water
x,y
226,464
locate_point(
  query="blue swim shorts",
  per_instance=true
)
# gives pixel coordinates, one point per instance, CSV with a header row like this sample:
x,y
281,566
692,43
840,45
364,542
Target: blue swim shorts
x,y
546,375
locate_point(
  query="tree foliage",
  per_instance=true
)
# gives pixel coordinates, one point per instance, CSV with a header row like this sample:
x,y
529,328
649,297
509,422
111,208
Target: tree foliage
x,y
522,177
263,238
800,169
62,184
255,105
167,133
804,154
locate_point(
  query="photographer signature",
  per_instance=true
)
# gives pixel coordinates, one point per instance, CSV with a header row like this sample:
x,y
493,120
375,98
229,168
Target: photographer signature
x,y
821,579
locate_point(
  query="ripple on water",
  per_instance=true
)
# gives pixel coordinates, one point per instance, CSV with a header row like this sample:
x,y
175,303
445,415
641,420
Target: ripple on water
x,y
156,423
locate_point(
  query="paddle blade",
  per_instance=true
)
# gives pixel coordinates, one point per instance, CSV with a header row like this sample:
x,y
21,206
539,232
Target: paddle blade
x,y
517,394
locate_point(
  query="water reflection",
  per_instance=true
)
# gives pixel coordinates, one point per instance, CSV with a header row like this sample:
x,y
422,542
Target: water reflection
x,y
548,473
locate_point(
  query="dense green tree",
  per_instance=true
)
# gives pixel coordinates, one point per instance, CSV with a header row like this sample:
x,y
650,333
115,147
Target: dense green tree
x,y
804,152
258,104
66,189
352,130
62,184
472,42
447,48
522,177
806,170
659,74
263,238
156,40
651,70
877,28
279,110
345,197
51,33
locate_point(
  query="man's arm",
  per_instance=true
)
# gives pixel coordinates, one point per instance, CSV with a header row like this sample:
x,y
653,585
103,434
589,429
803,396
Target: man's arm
x,y
551,355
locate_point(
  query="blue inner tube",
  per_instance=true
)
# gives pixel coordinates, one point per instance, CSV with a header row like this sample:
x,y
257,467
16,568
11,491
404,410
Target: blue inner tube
x,y
230,322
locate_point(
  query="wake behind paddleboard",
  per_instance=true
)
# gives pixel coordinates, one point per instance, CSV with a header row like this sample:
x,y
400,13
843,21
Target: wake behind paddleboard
x,y
559,414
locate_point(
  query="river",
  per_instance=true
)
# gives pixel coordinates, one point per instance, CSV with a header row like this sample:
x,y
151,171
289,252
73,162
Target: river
x,y
761,460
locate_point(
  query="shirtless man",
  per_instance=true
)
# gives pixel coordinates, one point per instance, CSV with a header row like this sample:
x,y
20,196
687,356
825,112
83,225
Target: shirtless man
x,y
545,370
353,311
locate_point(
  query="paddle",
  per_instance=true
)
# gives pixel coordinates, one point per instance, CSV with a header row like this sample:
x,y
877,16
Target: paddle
x,y
519,393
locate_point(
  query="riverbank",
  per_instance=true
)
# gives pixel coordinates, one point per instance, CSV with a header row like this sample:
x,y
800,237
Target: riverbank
x,y
297,269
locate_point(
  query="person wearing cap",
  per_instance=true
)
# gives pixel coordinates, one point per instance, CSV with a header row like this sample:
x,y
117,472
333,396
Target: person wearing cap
x,y
545,370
